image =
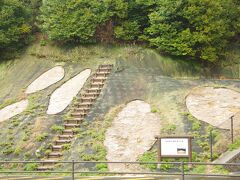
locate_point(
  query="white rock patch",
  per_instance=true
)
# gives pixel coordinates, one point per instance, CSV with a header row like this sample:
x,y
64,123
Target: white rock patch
x,y
13,110
132,133
213,105
63,96
46,79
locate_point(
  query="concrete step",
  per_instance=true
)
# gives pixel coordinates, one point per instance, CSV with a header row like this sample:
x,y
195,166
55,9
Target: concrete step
x,y
105,65
87,99
91,94
54,154
74,121
78,115
104,70
61,142
81,109
97,85
68,132
50,162
99,79
93,90
56,148
71,126
84,105
101,74
65,137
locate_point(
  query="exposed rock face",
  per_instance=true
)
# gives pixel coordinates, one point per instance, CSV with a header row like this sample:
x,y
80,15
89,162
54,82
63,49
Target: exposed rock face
x,y
214,105
132,133
13,110
46,79
63,96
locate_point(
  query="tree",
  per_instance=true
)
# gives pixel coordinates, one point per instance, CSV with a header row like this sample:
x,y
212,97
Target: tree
x,y
14,23
201,29
128,30
131,27
77,20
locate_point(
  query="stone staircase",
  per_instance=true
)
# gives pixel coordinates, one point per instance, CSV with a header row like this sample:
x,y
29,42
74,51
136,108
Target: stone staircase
x,y
80,111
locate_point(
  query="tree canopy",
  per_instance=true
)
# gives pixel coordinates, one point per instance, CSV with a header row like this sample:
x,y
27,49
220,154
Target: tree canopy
x,y
78,19
14,23
201,29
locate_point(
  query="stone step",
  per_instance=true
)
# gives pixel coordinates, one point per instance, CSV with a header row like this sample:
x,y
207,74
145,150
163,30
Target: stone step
x,y
84,105
65,137
99,79
105,65
97,85
49,162
101,74
45,168
81,109
56,148
87,99
54,154
104,70
94,94
93,90
74,121
61,142
68,132
71,126
79,115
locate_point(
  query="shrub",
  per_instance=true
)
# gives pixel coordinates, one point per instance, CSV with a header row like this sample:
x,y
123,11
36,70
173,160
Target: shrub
x,y
41,137
57,128
235,145
149,157
102,167
43,42
8,151
31,167
18,151
154,110
66,146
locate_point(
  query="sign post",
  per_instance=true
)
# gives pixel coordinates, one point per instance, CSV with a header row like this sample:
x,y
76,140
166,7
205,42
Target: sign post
x,y
174,147
231,128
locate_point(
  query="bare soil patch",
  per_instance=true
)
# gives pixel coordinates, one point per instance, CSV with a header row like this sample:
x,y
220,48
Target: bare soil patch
x,y
214,105
131,134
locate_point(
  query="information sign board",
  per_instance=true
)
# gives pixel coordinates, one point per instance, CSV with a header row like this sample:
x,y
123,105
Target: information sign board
x,y
174,147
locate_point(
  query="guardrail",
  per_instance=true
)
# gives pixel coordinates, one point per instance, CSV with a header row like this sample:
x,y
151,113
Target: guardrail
x,y
181,168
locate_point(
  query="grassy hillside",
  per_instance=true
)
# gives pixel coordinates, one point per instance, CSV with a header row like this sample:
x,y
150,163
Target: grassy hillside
x,y
138,73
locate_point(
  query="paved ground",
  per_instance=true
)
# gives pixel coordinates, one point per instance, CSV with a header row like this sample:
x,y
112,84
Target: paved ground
x,y
116,178
227,156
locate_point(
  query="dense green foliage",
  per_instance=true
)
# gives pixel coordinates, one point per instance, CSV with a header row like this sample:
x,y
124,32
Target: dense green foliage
x,y
202,29
194,28
77,20
14,23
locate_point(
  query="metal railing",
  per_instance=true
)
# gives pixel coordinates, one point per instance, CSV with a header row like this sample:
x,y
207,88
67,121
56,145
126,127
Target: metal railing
x,y
181,171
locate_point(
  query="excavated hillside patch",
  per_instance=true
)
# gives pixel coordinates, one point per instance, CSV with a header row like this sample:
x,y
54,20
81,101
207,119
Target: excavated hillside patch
x,y
13,110
46,79
131,134
214,105
64,95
